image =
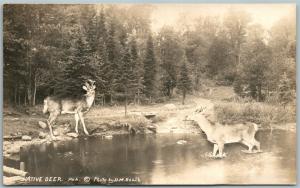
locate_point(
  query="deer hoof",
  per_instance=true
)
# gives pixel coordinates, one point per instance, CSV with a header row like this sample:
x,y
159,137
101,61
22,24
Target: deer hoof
x,y
223,155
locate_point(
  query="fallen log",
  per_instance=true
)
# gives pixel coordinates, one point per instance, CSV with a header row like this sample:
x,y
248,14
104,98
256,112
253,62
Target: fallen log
x,y
15,180
12,137
15,172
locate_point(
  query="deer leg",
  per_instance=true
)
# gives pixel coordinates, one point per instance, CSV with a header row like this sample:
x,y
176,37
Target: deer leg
x,y
257,144
221,147
250,146
82,122
215,150
76,122
50,120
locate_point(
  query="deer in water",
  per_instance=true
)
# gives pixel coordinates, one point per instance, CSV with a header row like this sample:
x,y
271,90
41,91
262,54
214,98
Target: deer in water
x,y
220,135
56,106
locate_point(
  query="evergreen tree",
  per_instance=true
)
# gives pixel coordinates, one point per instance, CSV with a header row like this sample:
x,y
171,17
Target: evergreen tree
x,y
112,55
285,90
184,82
78,69
237,86
102,32
149,69
138,85
126,80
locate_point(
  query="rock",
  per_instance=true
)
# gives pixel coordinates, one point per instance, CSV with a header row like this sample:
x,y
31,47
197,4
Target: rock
x,y
26,138
73,135
42,135
13,150
55,133
62,130
181,142
42,125
170,106
152,128
149,115
108,137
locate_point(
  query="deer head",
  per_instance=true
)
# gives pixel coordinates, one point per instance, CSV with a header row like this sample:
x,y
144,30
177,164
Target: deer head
x,y
89,87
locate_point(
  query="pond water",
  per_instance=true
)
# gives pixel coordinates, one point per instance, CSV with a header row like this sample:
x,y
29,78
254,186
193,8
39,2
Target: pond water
x,y
158,159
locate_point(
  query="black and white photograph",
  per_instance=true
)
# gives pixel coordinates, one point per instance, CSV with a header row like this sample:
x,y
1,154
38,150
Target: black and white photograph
x,y
149,94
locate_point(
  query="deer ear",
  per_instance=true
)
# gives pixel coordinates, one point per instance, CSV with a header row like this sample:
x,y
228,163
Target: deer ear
x,y
94,87
84,87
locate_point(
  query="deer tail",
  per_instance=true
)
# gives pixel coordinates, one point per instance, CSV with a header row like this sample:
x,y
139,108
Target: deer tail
x,y
45,109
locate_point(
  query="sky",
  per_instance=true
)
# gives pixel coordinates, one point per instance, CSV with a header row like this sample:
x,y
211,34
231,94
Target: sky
x,y
264,14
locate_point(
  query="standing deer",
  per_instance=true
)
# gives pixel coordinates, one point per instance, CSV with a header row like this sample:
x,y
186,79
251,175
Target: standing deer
x,y
220,135
56,106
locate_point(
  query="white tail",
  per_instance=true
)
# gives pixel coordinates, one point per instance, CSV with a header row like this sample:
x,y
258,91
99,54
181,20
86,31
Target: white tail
x,y
56,106
220,135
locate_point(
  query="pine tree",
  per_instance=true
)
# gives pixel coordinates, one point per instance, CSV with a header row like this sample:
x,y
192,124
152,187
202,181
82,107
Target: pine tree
x,y
78,69
237,86
149,69
112,55
126,80
138,80
285,90
102,32
184,82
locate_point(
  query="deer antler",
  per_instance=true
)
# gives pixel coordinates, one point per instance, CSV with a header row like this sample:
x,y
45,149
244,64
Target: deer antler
x,y
91,81
87,84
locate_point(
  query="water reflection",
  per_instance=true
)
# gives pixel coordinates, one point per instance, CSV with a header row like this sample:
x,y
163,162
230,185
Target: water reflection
x,y
157,159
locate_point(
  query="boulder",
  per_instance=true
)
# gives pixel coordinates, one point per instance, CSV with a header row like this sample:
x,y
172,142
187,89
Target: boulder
x,y
26,138
55,133
108,137
42,125
42,135
181,142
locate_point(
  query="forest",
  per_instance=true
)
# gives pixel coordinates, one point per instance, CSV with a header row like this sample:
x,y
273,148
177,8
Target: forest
x,y
53,49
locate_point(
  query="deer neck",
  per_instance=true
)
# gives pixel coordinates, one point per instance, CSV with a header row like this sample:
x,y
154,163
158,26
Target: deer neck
x,y
205,125
89,100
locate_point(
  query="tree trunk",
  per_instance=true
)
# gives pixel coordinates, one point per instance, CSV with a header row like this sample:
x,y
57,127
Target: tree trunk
x,y
25,103
259,93
111,99
34,91
183,97
15,95
29,96
19,98
138,97
103,103
125,102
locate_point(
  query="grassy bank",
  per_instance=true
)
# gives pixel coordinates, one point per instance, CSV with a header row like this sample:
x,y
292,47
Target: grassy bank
x,y
262,113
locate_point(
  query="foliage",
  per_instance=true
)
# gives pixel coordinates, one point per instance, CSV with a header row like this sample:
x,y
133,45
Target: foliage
x,y
51,49
184,82
262,113
149,68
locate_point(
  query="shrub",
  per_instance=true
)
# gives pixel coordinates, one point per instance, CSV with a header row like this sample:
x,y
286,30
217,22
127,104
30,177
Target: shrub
x,y
256,112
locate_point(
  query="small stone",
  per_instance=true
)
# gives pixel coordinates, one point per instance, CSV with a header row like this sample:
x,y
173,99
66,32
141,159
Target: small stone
x,y
181,142
42,135
26,138
108,137
74,135
42,125
55,133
